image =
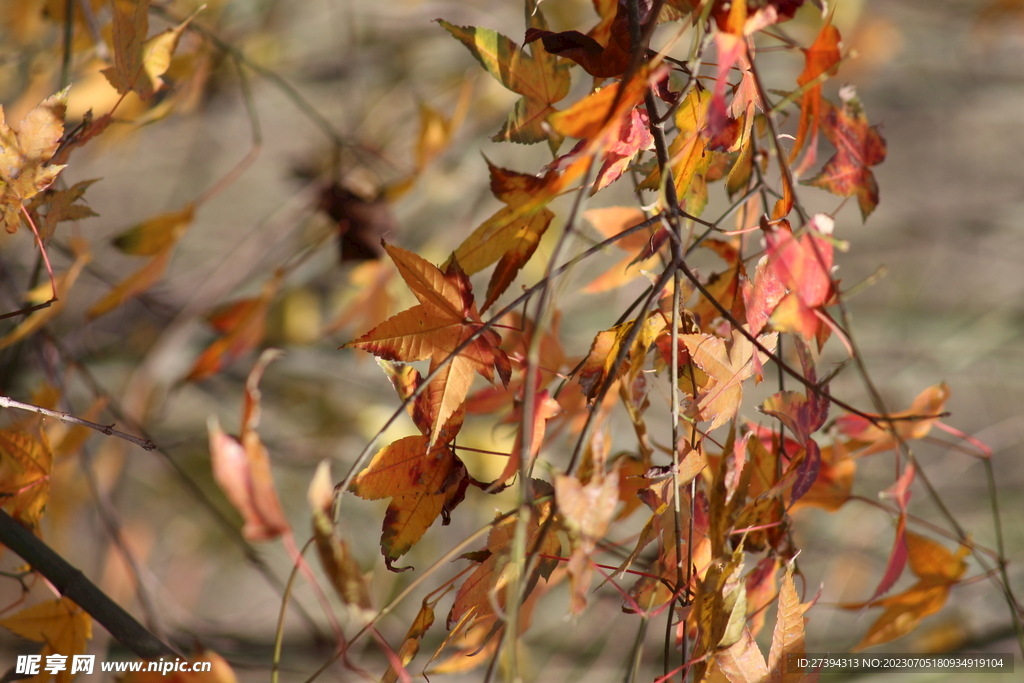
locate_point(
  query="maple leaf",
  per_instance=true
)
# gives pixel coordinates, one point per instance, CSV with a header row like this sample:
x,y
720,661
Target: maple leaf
x,y
858,148
510,236
424,482
421,623
25,168
599,364
61,206
804,267
538,77
544,408
821,58
599,60
26,461
689,156
761,297
802,415
742,662
937,569
140,62
445,318
62,626
867,438
634,137
484,590
243,325
241,467
586,511
156,234
727,366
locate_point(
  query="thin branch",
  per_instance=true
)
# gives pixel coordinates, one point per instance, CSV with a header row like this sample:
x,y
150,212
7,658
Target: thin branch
x,y
8,402
74,585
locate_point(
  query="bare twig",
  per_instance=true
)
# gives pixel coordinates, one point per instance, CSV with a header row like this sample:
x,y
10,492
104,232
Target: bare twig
x,y
8,402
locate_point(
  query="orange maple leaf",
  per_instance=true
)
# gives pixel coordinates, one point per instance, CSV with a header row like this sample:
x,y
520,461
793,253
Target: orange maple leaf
x,y
423,482
937,569
727,366
485,589
445,318
821,58
243,325
804,266
510,236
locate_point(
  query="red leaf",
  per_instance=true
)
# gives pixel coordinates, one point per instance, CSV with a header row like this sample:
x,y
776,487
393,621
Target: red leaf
x,y
858,148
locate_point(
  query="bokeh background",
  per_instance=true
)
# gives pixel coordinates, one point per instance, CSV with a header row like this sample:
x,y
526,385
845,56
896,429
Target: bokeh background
x,y
944,79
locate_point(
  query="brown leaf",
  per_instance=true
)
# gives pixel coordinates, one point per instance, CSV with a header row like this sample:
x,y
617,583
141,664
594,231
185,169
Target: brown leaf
x,y
335,555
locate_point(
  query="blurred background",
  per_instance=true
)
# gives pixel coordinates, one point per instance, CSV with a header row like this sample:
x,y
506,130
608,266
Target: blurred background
x,y
941,256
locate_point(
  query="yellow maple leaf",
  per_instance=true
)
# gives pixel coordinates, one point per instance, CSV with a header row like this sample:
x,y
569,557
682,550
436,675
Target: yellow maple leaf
x,y
62,625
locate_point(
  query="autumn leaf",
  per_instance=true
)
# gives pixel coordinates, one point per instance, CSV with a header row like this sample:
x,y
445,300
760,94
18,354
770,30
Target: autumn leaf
x,y
762,296
484,590
867,438
26,462
538,77
154,237
445,318
140,62
598,368
243,325
586,510
742,662
727,365
821,58
611,221
61,205
803,415
241,467
424,482
510,236
634,137
858,148
135,284
689,156
421,623
156,234
335,554
62,626
599,60
544,408
25,170
937,569
804,266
